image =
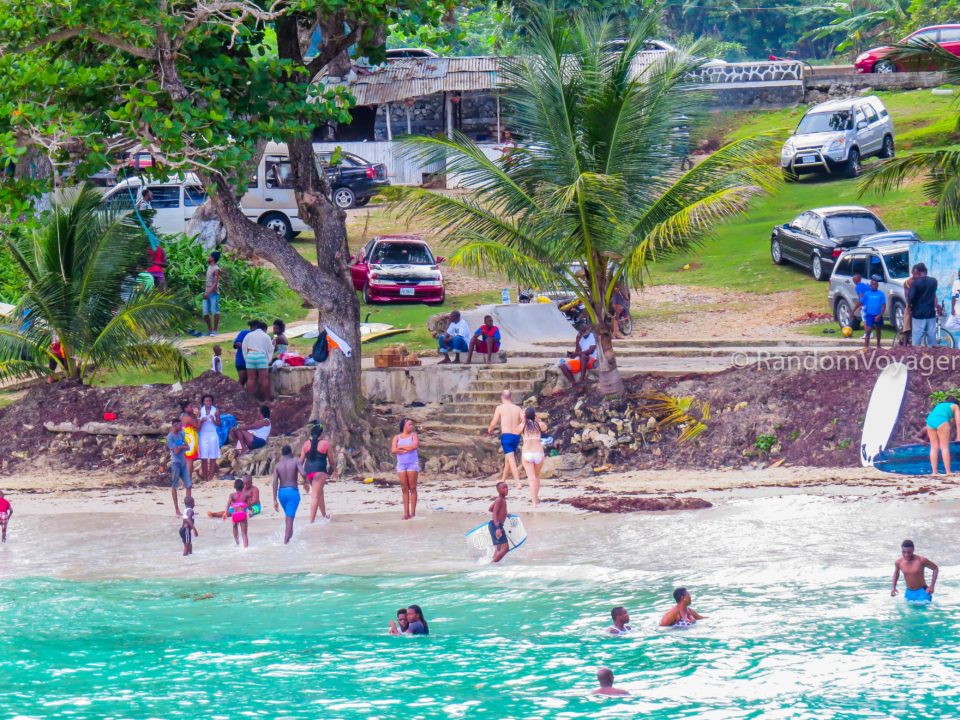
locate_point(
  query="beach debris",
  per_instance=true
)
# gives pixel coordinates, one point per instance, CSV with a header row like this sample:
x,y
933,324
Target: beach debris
x,y
626,503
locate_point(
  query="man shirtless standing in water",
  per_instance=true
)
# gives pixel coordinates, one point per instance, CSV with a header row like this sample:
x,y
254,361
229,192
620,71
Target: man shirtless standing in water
x,y
498,516
510,416
912,566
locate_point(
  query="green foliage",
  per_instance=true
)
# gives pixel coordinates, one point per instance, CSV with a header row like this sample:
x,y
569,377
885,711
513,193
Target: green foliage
x,y
764,443
939,396
599,183
940,169
12,280
483,28
82,79
78,266
244,288
853,22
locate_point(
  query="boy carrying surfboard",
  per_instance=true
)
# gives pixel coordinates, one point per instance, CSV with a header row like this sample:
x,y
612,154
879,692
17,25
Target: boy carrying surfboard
x,y
498,516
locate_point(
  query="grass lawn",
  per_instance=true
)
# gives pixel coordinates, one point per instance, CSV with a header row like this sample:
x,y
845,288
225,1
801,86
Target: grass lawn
x,y
737,256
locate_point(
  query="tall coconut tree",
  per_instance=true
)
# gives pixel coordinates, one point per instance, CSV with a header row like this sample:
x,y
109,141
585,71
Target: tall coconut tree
x,y
79,267
599,187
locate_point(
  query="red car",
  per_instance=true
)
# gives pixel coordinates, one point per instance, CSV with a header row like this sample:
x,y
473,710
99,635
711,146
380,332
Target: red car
x,y
877,60
398,268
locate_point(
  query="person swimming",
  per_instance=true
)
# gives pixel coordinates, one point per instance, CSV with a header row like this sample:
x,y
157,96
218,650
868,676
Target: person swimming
x,y
681,615
621,621
605,681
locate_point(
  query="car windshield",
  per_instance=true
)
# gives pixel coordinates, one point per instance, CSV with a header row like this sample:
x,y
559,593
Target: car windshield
x,y
825,122
898,264
847,225
402,254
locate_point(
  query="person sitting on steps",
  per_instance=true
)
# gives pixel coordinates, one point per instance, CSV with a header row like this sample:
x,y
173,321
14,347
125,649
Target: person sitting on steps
x,y
456,338
485,340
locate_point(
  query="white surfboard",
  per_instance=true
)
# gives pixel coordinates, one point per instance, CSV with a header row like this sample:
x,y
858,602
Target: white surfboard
x,y
883,411
479,538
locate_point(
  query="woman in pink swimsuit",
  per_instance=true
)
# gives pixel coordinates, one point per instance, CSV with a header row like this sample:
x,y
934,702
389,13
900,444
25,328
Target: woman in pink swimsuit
x,y
237,511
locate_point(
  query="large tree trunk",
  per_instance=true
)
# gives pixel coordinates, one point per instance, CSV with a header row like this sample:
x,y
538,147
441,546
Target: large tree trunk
x,y
337,399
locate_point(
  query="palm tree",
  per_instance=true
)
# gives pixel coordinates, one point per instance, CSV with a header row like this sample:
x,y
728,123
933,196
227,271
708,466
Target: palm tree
x,y
855,21
939,168
78,266
598,185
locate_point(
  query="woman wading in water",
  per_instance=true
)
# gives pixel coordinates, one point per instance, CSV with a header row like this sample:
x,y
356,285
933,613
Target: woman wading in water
x,y
316,456
531,430
405,446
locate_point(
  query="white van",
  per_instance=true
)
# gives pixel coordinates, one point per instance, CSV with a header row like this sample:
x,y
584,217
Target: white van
x,y
269,199
174,200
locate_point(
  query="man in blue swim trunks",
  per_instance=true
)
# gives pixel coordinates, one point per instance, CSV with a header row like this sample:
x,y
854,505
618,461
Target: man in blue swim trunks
x,y
510,417
912,566
874,304
286,489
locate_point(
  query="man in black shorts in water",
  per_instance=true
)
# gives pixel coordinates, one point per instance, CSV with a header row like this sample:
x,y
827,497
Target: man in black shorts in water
x,y
498,516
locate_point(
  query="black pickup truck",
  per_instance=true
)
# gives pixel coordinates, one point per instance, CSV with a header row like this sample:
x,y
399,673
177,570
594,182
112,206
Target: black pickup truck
x,y
353,180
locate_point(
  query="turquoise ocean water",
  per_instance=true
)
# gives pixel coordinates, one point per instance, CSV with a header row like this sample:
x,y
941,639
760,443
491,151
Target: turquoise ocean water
x,y
801,625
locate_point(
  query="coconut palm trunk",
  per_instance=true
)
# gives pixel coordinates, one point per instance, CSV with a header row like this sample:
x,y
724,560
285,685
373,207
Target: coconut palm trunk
x,y
597,189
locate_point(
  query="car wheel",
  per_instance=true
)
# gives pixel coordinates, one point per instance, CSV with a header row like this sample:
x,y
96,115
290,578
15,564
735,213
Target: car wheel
x,y
776,252
852,167
279,223
816,266
888,150
897,315
367,300
885,67
344,198
845,317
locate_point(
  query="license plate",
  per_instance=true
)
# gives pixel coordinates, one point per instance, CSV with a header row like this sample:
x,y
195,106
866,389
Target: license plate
x,y
808,159
408,292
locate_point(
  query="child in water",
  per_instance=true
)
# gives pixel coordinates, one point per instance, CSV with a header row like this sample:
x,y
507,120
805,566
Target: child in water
x,y
237,511
189,528
6,512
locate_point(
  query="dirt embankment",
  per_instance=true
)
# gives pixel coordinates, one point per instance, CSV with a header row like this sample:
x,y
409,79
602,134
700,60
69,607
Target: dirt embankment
x,y
142,457
757,417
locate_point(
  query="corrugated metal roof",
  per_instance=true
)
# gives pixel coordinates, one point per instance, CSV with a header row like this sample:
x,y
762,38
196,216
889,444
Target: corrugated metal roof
x,y
398,80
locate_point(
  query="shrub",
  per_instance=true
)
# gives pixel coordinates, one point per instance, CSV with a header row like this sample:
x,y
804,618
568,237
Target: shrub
x,y
244,288
764,443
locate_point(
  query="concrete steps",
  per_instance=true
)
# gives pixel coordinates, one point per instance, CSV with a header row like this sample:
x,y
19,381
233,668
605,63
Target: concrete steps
x,y
471,410
548,353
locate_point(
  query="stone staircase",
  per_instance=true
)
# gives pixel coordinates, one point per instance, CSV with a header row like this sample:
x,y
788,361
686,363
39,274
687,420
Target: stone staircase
x,y
470,411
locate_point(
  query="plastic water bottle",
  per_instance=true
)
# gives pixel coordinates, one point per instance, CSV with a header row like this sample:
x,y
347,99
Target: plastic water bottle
x,y
505,296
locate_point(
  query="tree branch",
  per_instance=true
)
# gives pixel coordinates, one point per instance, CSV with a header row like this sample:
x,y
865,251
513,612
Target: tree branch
x,y
86,34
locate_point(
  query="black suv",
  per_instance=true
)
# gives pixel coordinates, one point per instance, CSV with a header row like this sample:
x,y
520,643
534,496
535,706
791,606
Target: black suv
x,y
353,180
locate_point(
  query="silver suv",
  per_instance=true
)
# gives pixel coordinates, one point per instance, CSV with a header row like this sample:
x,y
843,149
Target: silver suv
x,y
835,136
889,261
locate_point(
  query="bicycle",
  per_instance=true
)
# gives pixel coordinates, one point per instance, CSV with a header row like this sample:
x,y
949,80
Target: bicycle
x,y
942,337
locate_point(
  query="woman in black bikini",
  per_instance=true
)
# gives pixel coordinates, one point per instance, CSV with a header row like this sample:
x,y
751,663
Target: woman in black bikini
x,y
316,456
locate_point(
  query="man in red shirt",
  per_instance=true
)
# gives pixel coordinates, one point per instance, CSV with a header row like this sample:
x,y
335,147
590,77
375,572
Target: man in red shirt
x,y
6,512
157,260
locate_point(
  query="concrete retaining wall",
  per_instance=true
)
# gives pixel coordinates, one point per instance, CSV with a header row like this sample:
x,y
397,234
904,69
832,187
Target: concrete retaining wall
x,y
417,384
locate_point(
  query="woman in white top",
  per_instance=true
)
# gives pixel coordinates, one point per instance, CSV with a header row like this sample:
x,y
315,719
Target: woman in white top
x,y
531,429
209,419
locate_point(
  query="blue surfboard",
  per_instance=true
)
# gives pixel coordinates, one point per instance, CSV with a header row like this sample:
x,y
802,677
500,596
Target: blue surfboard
x,y
479,537
914,459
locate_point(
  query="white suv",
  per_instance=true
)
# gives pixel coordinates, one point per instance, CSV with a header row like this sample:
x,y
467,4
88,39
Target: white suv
x,y
835,136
